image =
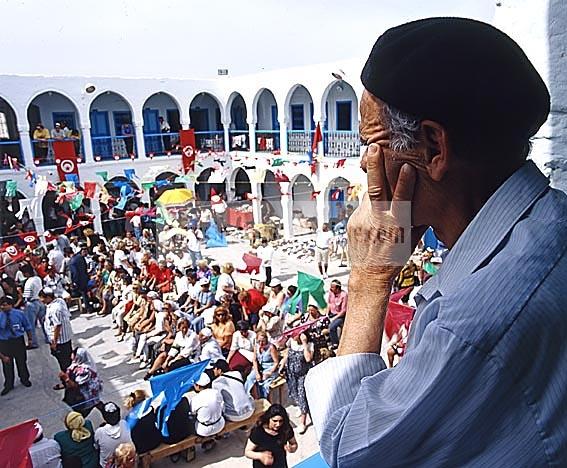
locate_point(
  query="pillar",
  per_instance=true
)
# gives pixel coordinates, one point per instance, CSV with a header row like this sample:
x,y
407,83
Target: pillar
x,y
95,208
36,213
252,134
26,145
226,128
185,124
140,144
88,155
287,209
256,201
283,136
321,208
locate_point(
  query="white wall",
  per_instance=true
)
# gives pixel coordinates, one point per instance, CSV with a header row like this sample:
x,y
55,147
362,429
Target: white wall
x,y
264,110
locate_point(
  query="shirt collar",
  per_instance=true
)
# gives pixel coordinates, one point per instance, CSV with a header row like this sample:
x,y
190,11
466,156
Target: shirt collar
x,y
488,228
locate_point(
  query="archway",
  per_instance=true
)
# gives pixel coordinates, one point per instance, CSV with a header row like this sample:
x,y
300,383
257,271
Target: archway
x,y
161,125
271,197
304,206
300,128
242,186
206,118
112,131
11,220
51,117
238,131
9,135
267,123
339,206
340,127
204,188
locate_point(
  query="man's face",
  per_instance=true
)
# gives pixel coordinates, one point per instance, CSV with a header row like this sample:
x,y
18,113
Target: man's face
x,y
334,288
5,307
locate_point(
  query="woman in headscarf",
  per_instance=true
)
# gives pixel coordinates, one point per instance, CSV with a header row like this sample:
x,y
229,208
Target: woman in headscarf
x,y
77,442
82,383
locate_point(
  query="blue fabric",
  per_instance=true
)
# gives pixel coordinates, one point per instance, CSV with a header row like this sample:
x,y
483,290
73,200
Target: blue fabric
x,y
430,240
314,461
214,237
130,174
20,325
172,386
483,379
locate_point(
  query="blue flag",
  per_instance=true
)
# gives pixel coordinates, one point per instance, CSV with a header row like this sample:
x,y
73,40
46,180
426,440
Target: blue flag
x,y
130,174
172,386
72,178
214,237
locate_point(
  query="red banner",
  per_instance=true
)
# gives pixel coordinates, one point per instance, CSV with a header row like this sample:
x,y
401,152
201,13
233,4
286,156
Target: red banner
x,y
15,442
188,149
65,159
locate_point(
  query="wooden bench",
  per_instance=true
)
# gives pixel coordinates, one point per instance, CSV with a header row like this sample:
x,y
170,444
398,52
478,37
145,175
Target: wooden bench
x,y
188,445
277,386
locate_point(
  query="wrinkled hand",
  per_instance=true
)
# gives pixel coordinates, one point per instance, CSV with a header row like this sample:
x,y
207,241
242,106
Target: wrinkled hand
x,y
380,236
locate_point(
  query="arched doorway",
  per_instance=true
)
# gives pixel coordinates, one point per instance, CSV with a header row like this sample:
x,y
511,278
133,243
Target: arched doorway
x,y
271,197
267,123
11,221
304,206
52,117
339,206
9,136
242,186
204,188
112,129
300,126
206,119
238,131
161,125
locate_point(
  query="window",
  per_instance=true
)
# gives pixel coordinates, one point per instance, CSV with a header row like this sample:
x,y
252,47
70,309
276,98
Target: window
x,y
4,133
344,115
297,119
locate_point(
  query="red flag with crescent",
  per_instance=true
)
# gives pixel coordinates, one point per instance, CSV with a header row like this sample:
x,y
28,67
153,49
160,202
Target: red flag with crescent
x,y
65,159
188,149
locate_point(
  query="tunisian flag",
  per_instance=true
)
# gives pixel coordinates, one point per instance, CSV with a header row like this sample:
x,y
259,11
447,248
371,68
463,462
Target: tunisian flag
x,y
15,442
65,159
188,149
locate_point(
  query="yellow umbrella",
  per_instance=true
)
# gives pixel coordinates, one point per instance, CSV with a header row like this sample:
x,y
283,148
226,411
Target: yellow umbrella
x,y
175,197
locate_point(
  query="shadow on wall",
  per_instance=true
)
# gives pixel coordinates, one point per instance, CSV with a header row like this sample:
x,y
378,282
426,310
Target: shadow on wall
x,y
557,37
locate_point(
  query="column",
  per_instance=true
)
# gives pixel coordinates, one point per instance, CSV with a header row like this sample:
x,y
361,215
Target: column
x,y
287,209
140,144
256,202
252,134
185,124
283,136
26,145
95,208
226,128
321,208
87,143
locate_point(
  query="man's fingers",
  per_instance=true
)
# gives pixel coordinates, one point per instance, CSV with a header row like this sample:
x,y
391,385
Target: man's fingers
x,y
405,186
376,176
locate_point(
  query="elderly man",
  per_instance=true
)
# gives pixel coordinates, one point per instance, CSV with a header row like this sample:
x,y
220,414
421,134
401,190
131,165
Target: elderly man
x,y
449,107
337,300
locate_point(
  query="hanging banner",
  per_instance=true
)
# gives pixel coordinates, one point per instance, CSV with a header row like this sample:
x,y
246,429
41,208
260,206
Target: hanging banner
x,y
188,149
65,159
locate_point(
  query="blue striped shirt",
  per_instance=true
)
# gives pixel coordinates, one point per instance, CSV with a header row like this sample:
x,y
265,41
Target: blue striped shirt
x,y
484,378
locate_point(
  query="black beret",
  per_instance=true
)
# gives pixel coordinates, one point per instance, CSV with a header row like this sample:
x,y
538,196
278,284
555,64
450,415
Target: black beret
x,y
464,74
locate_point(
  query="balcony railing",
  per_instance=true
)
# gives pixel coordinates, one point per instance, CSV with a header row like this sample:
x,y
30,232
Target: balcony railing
x,y
239,140
210,141
113,147
11,148
341,144
267,140
162,144
299,141
43,154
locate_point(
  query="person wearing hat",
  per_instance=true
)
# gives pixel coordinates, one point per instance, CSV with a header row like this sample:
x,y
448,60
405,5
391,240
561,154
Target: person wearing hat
x,y
58,133
111,434
218,207
210,349
45,452
203,306
270,322
207,407
276,296
57,325
238,404
77,441
13,326
448,111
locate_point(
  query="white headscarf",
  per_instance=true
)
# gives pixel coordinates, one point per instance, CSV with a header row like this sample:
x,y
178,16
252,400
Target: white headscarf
x,y
82,356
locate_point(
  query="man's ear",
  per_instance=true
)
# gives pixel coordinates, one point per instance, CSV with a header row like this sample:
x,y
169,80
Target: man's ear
x,y
436,145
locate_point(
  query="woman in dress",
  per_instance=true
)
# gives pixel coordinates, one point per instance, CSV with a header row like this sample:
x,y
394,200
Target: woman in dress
x,y
223,329
77,442
297,363
225,284
82,383
271,439
242,348
265,365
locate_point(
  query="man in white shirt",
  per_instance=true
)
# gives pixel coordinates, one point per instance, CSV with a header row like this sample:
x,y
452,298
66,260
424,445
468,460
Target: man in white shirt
x,y
110,435
210,348
322,243
194,237
238,404
44,452
218,206
34,309
55,257
266,253
185,346
207,406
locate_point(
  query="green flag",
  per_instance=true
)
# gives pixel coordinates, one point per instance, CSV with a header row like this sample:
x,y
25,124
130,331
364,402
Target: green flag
x,y
103,175
11,188
147,185
308,285
277,162
76,202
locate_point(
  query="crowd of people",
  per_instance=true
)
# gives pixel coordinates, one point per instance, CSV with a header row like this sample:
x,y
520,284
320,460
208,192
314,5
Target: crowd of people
x,y
170,317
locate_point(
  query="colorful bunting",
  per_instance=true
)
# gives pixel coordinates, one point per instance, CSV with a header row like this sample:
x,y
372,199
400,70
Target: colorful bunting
x,y
103,175
314,195
340,163
76,202
277,162
11,188
130,174
90,189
